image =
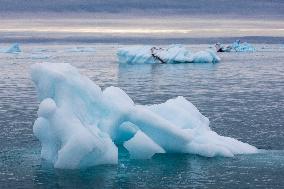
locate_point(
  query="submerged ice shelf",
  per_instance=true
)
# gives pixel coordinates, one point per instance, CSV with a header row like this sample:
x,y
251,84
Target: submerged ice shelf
x,y
242,47
78,123
171,55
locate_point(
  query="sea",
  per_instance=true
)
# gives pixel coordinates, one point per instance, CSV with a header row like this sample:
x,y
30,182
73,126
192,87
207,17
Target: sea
x,y
243,97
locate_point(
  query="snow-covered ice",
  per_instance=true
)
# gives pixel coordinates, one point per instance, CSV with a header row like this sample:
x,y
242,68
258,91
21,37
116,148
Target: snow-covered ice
x,y
78,123
171,54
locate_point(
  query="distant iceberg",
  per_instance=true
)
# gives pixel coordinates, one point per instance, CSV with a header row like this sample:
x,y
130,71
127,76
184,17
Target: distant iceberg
x,y
170,55
78,123
242,47
15,48
237,46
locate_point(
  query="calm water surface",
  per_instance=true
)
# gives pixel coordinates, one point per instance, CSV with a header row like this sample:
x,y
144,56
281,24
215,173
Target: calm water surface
x,y
243,97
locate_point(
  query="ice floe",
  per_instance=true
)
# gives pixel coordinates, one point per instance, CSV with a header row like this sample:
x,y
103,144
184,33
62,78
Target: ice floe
x,y
170,55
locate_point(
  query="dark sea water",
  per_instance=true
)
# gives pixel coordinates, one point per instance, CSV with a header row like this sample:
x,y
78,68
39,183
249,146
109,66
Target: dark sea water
x,y
243,96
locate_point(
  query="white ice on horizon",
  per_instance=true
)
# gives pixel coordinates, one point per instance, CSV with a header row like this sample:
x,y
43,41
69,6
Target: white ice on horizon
x,y
15,48
78,123
171,54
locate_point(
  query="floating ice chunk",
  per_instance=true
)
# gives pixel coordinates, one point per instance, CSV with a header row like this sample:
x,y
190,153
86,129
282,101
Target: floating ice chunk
x,y
171,54
237,46
15,48
242,47
77,123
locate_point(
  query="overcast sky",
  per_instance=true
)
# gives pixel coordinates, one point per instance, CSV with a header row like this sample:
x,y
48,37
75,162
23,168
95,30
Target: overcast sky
x,y
262,8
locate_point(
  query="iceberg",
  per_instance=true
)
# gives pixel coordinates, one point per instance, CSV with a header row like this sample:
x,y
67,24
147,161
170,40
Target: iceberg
x,y
237,46
15,48
242,47
170,55
79,124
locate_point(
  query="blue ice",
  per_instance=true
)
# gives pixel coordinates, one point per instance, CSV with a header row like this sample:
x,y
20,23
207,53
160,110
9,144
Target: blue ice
x,y
78,123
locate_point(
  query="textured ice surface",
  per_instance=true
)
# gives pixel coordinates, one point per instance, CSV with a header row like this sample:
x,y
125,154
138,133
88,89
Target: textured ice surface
x,y
15,48
78,123
171,54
